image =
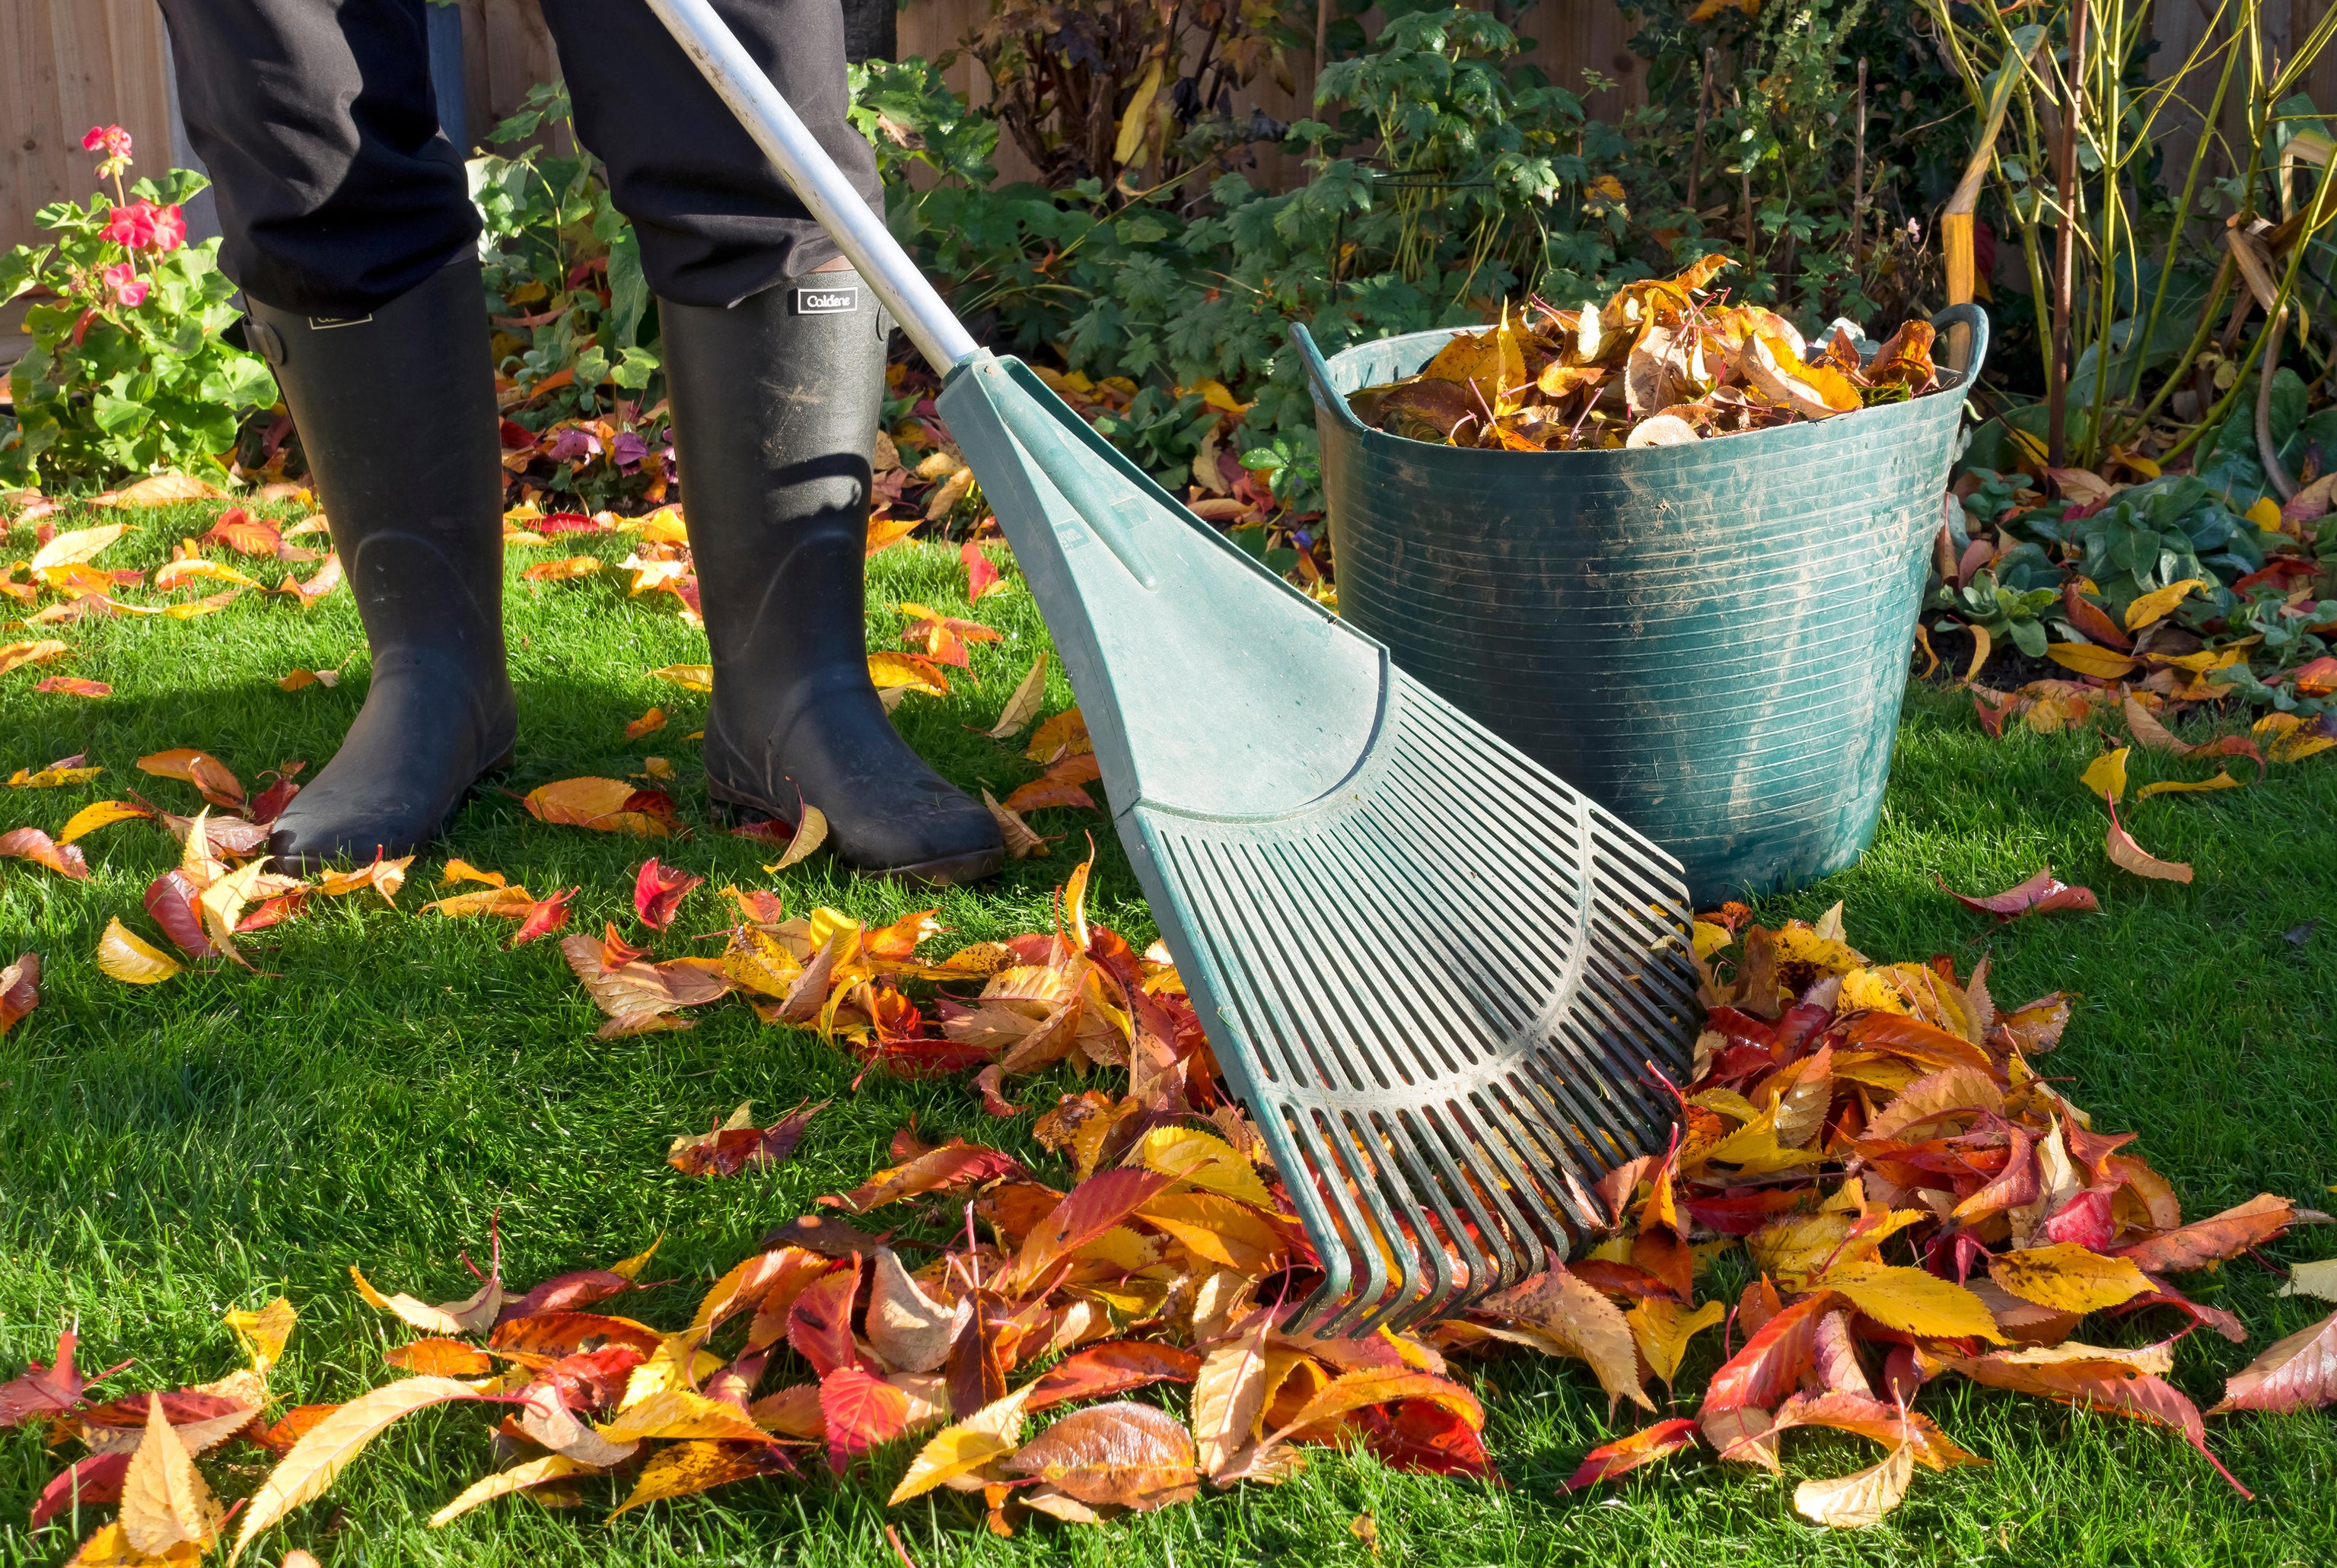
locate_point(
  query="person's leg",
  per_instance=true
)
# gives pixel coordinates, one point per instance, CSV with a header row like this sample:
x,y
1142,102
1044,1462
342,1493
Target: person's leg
x,y
775,364
350,227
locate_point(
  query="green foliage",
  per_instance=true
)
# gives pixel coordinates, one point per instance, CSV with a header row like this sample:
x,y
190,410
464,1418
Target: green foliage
x,y
1486,184
2010,597
564,271
128,373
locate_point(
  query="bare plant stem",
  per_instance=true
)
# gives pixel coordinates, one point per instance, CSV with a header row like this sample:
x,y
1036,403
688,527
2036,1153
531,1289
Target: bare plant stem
x,y
1858,171
1703,119
2065,244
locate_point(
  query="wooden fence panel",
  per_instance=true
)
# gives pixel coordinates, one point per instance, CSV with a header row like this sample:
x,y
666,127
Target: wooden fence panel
x,y
65,66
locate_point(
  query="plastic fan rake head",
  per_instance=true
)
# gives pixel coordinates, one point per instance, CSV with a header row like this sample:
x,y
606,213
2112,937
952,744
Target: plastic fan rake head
x,y
1442,980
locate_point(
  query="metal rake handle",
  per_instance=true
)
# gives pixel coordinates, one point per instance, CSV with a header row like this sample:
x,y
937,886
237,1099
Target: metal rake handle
x,y
813,175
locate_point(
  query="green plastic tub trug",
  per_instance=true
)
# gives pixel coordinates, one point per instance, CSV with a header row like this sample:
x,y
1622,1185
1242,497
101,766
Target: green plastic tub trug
x,y
1710,640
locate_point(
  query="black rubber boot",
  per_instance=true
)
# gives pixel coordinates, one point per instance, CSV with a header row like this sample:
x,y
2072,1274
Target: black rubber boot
x,y
775,401
396,413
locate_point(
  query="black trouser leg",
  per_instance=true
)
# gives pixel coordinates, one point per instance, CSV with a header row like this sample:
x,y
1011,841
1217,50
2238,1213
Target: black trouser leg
x,y
774,411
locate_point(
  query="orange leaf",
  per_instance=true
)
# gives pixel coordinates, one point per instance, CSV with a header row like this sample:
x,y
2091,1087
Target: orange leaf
x,y
1625,1453
946,1169
1110,1368
2297,1373
861,1411
2215,1239
605,804
36,845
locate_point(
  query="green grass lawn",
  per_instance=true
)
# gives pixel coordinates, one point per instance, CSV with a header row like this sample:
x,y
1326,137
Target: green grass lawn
x,y
392,1081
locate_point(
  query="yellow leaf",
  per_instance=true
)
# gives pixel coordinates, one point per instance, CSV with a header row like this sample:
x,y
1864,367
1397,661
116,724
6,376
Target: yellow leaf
x,y
2106,776
325,1450
1140,109
510,902
592,802
809,835
1914,1301
1983,643
1860,1499
177,573
1023,706
2068,1278
1801,944
2159,602
518,1478
16,655
2221,781
160,490
129,957
689,677
676,1413
1663,1329
991,1432
631,1269
1208,1162
76,546
887,670
2264,513
2087,658
164,1500
1813,391
98,815
682,1469
1711,938
262,1333
1871,990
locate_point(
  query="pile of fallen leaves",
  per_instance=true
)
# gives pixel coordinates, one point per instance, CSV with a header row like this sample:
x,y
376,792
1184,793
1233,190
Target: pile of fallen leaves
x,y
1917,1205
1658,365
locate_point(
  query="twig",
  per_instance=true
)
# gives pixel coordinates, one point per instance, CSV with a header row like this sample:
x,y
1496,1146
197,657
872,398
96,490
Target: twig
x,y
1745,180
1858,171
2064,245
1703,119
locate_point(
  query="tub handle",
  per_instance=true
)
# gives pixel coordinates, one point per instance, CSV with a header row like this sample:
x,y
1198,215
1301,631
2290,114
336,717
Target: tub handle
x,y
1973,320
1318,374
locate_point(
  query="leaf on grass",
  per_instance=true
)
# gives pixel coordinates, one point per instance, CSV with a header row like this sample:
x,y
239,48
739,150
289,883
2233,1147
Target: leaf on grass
x,y
177,574
2297,1373
468,1316
2124,851
810,833
62,772
861,1411
129,958
546,916
98,815
1368,1385
2221,781
217,783
2216,1239
1022,706
689,677
16,655
906,671
2106,776
20,989
908,1328
76,545
503,1483
1023,841
1115,1455
320,1456
1913,1299
603,805
2318,1279
2042,895
2087,658
1228,1399
385,877
639,997
1662,1329
35,845
165,1503
739,1145
991,1432
1855,1501
1871,1418
510,902
657,892
72,685
440,1358
683,1469
1626,1453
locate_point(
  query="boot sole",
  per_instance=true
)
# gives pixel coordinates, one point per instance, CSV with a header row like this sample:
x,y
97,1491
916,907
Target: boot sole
x,y
944,872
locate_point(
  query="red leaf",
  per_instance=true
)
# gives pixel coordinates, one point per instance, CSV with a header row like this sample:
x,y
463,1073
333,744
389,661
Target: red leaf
x,y
96,1478
21,995
726,1152
819,1324
170,899
1087,1212
952,1167
657,892
2215,1239
269,803
981,576
2298,1373
44,1390
2042,895
1772,1360
985,1083
861,1411
34,844
546,916
1625,1453
591,1380
1424,1436
1112,1369
571,1292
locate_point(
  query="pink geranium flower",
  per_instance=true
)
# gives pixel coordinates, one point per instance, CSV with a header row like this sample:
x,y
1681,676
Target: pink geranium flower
x,y
132,226
170,227
128,287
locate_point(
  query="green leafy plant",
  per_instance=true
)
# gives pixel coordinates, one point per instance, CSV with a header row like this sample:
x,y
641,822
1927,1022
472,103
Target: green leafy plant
x,y
129,371
576,331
